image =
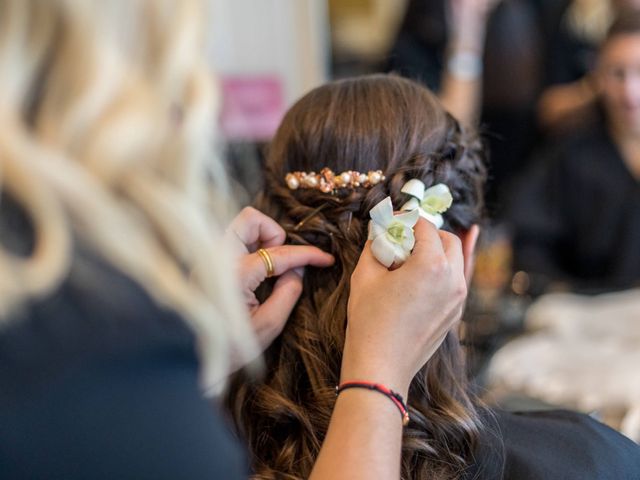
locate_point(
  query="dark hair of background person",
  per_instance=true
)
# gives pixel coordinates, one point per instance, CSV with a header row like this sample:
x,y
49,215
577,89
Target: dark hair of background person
x,y
418,51
368,123
627,22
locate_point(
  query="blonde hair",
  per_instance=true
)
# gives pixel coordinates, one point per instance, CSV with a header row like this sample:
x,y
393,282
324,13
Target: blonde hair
x,y
106,115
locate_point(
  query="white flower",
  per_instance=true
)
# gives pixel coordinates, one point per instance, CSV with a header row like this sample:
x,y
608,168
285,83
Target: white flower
x,y
431,203
392,235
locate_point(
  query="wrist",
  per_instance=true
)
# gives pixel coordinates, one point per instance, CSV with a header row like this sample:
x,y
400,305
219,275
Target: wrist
x,y
374,367
468,37
465,64
393,396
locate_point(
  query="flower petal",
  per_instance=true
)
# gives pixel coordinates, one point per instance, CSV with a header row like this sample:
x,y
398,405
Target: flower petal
x,y
436,219
414,187
408,219
382,213
437,199
412,204
401,255
439,190
409,240
375,230
383,250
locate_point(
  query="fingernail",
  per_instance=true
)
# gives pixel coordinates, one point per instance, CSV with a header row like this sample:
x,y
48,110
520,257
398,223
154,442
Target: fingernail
x,y
299,271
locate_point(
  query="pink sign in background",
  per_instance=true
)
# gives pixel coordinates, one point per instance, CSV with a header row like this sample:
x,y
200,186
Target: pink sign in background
x,y
252,107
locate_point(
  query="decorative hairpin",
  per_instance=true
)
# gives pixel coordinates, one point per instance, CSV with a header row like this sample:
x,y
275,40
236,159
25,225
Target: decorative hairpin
x,y
327,181
392,235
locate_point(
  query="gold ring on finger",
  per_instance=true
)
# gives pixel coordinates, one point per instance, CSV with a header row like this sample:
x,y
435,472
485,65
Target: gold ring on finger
x,y
268,261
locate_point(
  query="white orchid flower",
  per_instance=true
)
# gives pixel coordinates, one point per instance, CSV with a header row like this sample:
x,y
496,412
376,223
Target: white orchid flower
x,y
431,202
392,235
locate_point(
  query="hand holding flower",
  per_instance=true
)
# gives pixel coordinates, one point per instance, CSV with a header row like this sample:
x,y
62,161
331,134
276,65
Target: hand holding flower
x,y
392,234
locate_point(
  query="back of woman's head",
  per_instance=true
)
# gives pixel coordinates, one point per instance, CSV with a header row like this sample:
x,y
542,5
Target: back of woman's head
x,y
106,110
364,124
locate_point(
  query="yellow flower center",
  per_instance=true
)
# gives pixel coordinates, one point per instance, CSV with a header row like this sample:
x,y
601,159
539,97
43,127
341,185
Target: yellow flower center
x,y
395,233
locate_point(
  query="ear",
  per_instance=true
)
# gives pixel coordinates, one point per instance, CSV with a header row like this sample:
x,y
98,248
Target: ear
x,y
469,240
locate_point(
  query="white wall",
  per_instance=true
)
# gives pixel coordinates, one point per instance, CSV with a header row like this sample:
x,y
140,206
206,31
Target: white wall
x,y
289,38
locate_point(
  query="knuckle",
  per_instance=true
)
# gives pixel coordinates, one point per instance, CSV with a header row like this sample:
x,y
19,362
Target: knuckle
x,y
246,213
461,290
249,211
451,238
447,234
439,266
455,239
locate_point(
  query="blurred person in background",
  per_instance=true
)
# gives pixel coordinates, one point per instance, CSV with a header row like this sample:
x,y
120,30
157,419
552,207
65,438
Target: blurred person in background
x,y
576,214
118,298
575,35
441,44
485,58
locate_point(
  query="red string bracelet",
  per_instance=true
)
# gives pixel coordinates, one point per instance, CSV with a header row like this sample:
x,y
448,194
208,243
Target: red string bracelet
x,y
396,398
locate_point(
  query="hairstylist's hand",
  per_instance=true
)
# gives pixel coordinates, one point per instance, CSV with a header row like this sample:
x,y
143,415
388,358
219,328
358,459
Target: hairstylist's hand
x,y
254,230
397,319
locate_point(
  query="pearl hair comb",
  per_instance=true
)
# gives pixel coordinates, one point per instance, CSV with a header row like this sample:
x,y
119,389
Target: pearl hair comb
x,y
327,181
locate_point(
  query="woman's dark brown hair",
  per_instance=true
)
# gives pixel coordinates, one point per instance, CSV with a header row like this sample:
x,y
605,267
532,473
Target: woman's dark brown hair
x,y
626,22
367,123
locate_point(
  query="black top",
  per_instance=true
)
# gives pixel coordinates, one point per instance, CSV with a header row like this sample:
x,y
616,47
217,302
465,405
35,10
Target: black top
x,y
576,215
97,382
570,57
418,50
552,445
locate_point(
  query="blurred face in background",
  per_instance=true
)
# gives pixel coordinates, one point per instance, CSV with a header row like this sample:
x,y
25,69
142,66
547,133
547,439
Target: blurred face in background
x,y
618,75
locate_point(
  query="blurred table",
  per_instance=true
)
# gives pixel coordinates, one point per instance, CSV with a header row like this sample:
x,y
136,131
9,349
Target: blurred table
x,y
579,352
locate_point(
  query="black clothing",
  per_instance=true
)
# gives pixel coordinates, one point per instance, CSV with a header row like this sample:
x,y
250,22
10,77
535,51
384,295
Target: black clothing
x,y
570,57
97,382
576,216
418,51
552,445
